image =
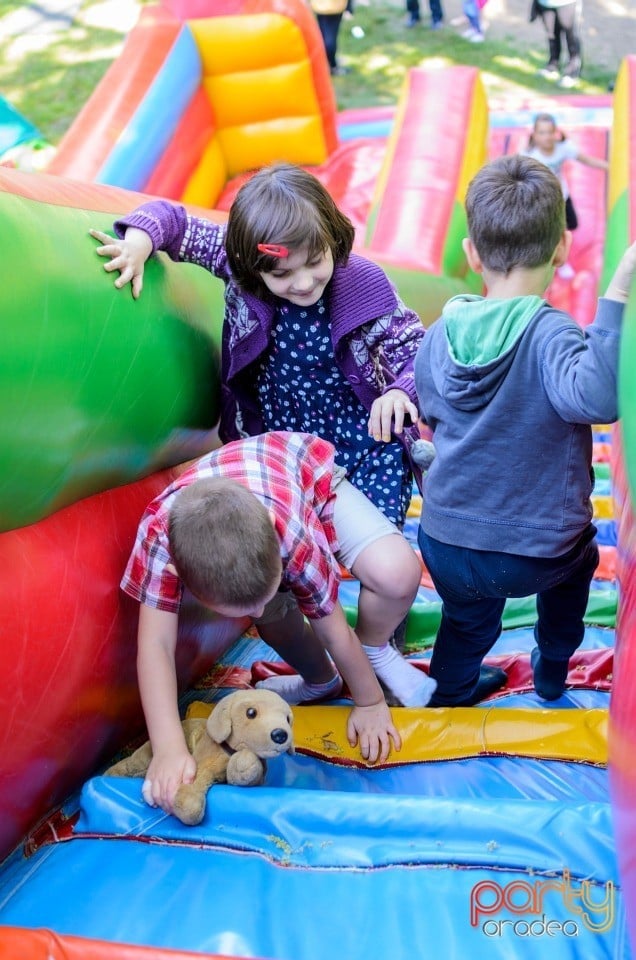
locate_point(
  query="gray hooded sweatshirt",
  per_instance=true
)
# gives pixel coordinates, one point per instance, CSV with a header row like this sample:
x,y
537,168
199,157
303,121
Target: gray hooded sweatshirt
x,y
510,389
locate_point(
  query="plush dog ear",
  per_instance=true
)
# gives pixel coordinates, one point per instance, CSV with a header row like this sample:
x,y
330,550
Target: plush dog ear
x,y
219,724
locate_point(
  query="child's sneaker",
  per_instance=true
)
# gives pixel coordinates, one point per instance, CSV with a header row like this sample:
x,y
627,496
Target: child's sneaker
x,y
491,679
571,73
549,675
550,71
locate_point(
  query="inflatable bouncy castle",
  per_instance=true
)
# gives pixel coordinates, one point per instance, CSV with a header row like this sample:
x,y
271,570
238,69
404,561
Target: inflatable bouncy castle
x,y
211,91
499,830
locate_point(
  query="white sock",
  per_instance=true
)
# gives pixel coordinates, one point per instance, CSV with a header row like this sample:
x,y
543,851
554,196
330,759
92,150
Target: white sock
x,y
293,689
410,686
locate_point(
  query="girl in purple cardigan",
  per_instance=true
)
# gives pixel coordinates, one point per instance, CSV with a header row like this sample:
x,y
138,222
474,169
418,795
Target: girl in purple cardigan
x,y
315,340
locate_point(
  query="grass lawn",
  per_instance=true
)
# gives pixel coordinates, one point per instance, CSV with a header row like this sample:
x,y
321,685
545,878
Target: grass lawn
x,y
49,78
379,59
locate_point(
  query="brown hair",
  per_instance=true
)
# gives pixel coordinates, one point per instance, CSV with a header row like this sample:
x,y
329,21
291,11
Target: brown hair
x,y
223,542
545,118
282,204
516,213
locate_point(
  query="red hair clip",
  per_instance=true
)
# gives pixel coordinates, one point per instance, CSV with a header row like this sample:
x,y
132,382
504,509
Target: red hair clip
x,y
273,250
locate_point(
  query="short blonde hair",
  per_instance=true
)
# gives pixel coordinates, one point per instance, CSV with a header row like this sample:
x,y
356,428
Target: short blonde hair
x,y
223,542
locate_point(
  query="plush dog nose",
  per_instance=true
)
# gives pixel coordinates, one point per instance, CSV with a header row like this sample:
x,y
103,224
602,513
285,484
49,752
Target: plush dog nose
x,y
279,735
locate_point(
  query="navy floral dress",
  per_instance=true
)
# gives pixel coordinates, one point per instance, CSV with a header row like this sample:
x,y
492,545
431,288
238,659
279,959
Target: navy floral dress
x,y
301,388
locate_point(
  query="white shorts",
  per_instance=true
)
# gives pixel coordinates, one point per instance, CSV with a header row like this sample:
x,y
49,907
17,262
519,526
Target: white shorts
x,y
358,523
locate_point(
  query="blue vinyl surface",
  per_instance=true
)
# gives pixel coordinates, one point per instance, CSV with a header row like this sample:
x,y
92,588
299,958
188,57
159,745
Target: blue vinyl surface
x,y
279,873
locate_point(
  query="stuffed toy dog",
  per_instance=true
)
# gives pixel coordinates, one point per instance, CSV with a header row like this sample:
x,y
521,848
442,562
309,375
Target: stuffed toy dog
x,y
245,729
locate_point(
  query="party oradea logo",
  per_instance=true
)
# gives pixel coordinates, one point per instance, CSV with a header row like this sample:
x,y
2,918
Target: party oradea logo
x,y
521,908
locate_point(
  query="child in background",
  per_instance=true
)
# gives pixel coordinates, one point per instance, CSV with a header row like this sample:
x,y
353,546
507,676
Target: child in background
x,y
256,529
315,339
511,386
549,145
472,12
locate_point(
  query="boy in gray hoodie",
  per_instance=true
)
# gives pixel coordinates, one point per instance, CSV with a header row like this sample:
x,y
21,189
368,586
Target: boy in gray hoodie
x,y
510,387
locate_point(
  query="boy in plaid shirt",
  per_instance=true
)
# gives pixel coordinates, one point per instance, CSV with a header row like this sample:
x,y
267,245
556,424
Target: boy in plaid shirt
x,y
258,529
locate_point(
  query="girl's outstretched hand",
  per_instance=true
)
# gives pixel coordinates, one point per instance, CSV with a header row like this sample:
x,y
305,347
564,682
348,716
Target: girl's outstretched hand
x,y
128,256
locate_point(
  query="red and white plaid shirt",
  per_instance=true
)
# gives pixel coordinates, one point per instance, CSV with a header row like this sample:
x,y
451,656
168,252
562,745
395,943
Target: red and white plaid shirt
x,y
291,474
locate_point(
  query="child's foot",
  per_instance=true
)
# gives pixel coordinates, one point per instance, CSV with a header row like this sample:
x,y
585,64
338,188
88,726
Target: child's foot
x,y
490,680
550,71
403,681
294,689
571,74
549,675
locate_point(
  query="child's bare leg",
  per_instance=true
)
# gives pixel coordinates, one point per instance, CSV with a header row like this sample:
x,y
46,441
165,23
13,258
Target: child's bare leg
x,y
293,639
389,574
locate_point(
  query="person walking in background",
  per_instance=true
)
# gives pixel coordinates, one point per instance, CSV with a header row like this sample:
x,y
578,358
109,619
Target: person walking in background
x,y
549,145
329,15
561,18
472,11
414,16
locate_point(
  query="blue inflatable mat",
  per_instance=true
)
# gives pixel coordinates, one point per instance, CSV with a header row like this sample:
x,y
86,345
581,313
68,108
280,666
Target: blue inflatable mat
x,y
262,855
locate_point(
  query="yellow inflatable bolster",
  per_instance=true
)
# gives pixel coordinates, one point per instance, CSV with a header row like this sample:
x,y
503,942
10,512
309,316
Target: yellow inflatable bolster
x,y
453,733
283,91
297,139
206,183
231,44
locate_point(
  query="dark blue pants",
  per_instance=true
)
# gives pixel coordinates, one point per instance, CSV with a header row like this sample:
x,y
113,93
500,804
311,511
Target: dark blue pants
x,y
329,24
435,6
474,585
